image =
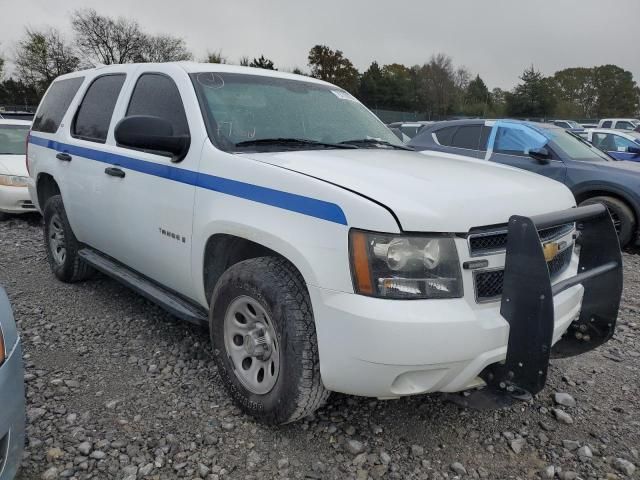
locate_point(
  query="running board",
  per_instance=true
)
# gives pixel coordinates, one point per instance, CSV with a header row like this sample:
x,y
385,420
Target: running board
x,y
171,302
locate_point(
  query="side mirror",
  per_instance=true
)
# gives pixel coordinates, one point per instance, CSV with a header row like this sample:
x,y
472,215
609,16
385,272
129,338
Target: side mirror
x,y
634,150
146,132
540,154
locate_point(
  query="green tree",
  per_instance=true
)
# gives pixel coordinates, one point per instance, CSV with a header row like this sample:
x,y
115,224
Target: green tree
x,y
1,67
332,66
576,92
371,87
262,62
436,87
41,56
14,92
244,61
477,98
617,92
534,97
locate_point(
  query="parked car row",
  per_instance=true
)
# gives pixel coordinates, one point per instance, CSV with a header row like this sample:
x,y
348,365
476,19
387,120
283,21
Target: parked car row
x,y
14,195
592,175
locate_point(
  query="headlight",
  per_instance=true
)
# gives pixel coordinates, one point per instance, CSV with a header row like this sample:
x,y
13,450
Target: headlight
x,y
404,266
13,181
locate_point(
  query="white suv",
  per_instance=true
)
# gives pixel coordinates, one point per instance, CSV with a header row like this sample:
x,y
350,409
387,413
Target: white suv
x,y
323,256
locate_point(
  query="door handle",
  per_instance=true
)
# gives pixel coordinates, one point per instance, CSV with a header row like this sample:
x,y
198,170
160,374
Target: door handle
x,y
114,172
65,157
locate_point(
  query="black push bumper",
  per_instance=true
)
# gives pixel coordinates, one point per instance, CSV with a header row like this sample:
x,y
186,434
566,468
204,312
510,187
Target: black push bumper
x,y
527,296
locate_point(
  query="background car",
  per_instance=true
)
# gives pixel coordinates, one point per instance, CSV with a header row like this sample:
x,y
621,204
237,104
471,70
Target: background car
x,y
619,123
620,144
592,175
408,130
570,125
12,416
14,196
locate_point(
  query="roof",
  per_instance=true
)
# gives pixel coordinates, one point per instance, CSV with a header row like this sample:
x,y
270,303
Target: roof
x,y
196,67
6,121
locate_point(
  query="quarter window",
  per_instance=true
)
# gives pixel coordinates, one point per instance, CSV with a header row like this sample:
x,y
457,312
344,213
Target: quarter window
x,y
157,95
94,114
55,104
445,135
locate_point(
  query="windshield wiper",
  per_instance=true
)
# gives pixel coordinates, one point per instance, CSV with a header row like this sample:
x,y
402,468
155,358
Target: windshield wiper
x,y
375,141
292,142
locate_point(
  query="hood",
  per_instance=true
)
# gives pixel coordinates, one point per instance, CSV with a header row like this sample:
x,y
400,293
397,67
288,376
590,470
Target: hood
x,y
13,165
430,192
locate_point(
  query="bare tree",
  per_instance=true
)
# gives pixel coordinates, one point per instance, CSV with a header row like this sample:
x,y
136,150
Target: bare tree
x,y
215,57
41,56
105,40
244,61
164,48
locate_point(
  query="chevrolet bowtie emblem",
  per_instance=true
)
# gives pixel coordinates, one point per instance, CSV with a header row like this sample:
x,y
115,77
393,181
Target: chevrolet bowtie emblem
x,y
550,250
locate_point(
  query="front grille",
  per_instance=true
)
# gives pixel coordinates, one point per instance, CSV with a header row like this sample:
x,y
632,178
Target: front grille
x,y
484,243
489,284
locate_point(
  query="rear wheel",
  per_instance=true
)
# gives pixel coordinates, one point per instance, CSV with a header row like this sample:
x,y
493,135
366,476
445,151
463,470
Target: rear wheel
x,y
623,219
264,340
61,244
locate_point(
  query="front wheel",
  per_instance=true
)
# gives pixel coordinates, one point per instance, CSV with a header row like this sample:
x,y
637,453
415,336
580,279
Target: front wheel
x,y
623,219
264,340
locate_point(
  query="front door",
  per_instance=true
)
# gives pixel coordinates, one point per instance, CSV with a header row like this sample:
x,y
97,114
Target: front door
x,y
155,208
510,143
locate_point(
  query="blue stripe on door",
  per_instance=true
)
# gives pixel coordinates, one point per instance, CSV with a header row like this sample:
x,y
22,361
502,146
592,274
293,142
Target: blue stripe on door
x,y
312,207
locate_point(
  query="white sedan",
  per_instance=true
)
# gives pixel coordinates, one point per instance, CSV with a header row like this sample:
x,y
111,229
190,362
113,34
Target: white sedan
x,y
14,195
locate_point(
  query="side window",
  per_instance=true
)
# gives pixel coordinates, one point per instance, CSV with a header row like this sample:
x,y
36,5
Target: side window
x,y
604,141
445,135
606,124
55,104
517,140
622,144
94,113
157,95
467,136
624,125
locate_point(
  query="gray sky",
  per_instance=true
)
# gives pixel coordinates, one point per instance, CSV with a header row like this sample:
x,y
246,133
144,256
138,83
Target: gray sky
x,y
495,38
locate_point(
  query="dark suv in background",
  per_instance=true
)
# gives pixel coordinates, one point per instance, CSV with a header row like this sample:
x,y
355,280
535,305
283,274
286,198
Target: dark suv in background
x,y
592,175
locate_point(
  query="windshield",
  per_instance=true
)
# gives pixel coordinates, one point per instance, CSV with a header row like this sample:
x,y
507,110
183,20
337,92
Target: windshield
x,y
13,139
575,147
241,108
574,124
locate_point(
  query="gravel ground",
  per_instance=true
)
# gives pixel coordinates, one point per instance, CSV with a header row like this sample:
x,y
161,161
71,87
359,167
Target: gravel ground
x,y
116,388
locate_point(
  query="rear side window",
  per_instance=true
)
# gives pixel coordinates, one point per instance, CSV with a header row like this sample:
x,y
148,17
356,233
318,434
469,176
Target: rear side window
x,y
445,135
94,114
484,137
55,104
624,125
606,124
467,137
157,95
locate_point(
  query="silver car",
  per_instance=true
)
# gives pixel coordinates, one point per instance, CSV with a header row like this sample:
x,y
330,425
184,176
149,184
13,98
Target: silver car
x,y
12,417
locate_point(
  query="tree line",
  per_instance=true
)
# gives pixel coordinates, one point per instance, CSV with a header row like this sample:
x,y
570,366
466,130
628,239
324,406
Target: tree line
x,y
436,89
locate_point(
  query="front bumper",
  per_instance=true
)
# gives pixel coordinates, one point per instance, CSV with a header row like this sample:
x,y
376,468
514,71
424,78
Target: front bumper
x,y
12,414
15,200
390,348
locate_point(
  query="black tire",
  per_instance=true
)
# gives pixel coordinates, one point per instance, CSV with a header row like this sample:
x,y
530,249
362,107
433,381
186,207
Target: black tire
x,y
71,268
280,289
622,215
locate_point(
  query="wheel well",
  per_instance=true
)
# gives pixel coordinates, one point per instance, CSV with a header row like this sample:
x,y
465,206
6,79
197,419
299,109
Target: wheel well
x,y
222,251
604,193
46,188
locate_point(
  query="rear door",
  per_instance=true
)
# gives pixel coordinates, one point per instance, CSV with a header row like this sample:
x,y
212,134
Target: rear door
x,y
510,143
91,197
